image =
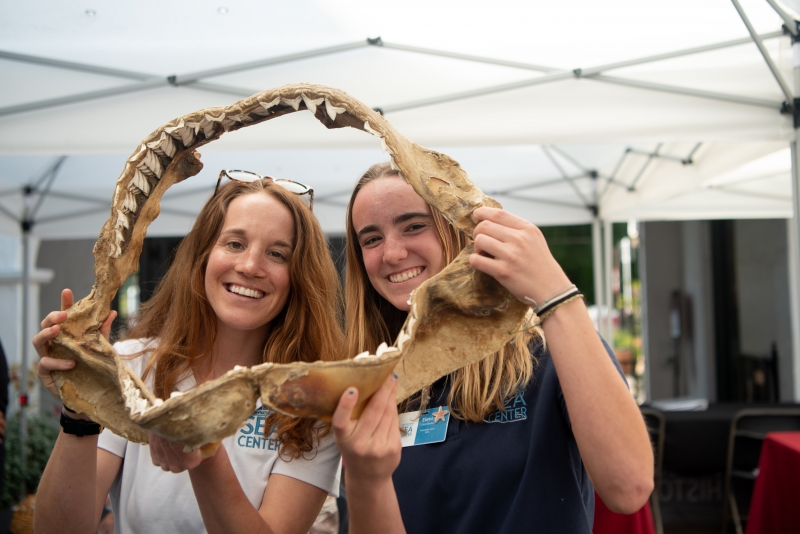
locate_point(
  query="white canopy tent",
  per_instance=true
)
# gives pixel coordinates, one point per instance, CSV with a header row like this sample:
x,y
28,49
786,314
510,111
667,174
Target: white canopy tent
x,y
92,81
566,112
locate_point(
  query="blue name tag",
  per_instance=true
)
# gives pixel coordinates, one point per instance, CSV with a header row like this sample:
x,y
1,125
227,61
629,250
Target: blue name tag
x,y
421,428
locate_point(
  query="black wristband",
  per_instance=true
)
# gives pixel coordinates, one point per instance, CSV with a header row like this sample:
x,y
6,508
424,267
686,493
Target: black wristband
x,y
552,305
79,427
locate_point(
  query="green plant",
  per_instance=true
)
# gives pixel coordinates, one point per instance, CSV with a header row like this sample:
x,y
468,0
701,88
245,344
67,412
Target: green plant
x,y
40,439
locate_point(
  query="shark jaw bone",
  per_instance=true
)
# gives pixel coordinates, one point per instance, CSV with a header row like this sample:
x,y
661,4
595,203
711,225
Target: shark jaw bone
x,y
457,317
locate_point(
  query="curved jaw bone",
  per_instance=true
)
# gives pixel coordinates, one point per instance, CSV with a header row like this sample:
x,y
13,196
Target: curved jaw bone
x,y
457,317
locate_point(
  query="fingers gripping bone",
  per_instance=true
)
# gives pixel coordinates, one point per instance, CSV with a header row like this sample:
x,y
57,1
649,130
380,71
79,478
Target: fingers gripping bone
x,y
457,317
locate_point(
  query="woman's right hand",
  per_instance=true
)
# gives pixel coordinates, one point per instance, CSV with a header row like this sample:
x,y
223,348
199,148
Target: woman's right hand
x,y
370,445
51,326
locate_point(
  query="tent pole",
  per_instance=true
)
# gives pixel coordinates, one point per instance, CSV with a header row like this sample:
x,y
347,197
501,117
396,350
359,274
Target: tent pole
x,y
25,226
794,234
776,73
29,210
794,267
597,271
608,262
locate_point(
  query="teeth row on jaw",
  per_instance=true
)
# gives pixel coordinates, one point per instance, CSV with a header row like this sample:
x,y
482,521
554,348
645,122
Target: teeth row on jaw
x,y
134,401
141,168
408,332
383,348
239,290
405,335
147,166
402,277
376,133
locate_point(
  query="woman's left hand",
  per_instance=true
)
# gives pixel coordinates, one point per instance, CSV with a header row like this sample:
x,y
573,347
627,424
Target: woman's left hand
x,y
169,455
518,256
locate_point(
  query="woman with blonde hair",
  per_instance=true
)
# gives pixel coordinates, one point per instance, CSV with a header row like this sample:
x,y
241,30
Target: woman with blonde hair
x,y
527,432
253,282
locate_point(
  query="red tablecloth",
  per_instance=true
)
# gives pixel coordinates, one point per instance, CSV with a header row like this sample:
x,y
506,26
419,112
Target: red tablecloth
x,y
608,522
775,508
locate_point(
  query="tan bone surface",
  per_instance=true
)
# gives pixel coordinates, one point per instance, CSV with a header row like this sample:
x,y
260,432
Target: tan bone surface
x,y
458,317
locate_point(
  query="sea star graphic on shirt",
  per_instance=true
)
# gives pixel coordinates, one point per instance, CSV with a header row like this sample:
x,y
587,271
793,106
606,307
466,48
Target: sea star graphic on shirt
x,y
439,415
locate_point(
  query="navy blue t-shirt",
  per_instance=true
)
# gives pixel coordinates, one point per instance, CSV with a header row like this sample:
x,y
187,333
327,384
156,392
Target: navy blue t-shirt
x,y
518,471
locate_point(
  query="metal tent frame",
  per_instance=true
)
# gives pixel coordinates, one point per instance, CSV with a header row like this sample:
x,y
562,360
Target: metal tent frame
x,y
602,246
601,227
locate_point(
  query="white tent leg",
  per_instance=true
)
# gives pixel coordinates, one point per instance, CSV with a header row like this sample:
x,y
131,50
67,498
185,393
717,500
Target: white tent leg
x,y
794,240
597,270
608,265
794,268
23,383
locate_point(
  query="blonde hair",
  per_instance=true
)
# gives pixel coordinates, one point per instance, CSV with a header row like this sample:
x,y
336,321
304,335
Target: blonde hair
x,y
308,328
476,389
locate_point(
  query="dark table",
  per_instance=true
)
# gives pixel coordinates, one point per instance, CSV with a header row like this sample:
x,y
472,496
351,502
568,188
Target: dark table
x,y
696,443
695,454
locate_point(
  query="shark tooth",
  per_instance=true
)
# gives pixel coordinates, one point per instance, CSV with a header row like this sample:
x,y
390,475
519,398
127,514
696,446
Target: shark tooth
x,y
265,107
150,164
312,103
122,220
140,181
182,132
130,202
138,153
163,146
243,118
294,102
369,129
333,110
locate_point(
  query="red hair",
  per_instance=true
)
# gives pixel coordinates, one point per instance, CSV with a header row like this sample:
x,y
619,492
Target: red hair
x,y
308,328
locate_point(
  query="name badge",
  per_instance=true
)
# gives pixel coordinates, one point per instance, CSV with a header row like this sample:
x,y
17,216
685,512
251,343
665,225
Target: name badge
x,y
421,428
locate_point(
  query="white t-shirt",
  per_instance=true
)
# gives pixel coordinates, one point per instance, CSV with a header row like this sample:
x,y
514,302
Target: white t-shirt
x,y
146,499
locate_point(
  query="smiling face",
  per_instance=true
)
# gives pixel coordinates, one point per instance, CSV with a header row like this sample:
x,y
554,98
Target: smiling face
x,y
398,240
247,276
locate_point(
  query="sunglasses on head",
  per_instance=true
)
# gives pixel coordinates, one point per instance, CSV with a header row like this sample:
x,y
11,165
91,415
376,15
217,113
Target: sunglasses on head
x,y
305,193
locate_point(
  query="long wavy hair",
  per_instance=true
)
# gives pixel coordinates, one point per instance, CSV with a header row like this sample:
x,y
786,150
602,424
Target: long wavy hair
x,y
307,329
370,319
